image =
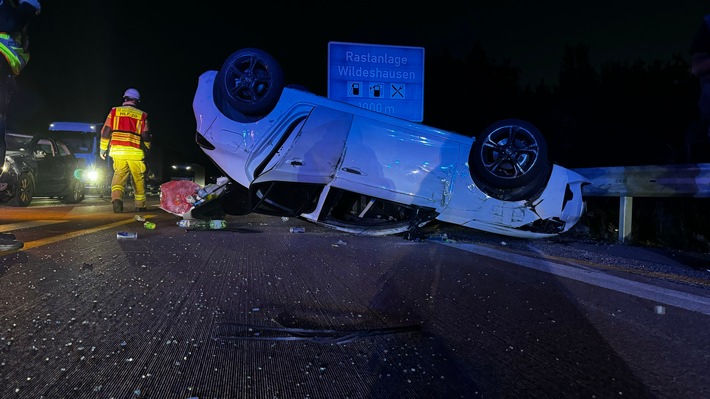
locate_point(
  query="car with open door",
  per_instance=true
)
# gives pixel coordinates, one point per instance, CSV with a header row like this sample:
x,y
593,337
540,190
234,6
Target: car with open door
x,y
289,152
39,166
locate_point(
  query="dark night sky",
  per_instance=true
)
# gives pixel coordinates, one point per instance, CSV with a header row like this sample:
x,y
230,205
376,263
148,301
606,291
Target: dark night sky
x,y
85,53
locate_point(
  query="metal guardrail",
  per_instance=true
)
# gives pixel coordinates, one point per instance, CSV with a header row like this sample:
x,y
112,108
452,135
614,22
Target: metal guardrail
x,y
627,182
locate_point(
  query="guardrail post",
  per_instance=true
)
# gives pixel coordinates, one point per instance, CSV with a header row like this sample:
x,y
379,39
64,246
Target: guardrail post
x,y
625,213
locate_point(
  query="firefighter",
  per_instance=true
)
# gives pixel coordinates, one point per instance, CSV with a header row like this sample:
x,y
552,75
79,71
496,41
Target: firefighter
x,y
125,137
14,46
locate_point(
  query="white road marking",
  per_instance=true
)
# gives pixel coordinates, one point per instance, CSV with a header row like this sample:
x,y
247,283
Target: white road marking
x,y
683,300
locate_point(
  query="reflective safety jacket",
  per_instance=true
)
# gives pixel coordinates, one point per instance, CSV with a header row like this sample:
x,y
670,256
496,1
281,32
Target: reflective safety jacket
x,y
11,47
14,41
126,130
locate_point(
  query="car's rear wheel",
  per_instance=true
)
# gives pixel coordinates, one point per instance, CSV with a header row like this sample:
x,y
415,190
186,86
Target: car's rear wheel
x,y
24,191
509,154
76,193
248,85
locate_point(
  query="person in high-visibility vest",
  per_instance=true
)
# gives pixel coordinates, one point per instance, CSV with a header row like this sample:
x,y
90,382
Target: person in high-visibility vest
x,y
14,46
125,137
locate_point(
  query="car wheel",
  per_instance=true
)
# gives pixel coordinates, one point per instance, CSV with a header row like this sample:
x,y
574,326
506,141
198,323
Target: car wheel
x,y
25,190
248,85
76,193
509,154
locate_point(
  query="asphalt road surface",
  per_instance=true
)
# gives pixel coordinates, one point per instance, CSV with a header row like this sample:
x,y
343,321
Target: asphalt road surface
x,y
255,311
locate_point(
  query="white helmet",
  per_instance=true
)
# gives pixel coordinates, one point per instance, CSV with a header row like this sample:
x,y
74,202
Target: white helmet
x,y
132,94
34,3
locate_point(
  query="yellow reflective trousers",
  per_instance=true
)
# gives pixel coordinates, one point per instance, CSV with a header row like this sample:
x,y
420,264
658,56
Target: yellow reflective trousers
x,y
121,169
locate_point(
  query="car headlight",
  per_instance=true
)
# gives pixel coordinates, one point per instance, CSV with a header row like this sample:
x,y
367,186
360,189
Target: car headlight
x,y
6,166
92,175
88,175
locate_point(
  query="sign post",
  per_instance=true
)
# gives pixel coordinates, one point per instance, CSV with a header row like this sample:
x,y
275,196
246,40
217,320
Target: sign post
x,y
382,78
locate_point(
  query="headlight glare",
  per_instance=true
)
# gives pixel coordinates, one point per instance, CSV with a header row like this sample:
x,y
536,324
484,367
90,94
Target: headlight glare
x,y
93,175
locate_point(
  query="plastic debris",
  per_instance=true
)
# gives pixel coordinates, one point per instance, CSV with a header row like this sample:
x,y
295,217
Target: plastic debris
x,y
174,196
198,224
126,235
297,229
218,224
211,191
140,218
149,225
180,196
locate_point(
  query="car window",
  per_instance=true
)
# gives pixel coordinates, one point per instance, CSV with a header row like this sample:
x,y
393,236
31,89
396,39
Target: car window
x,y
63,149
79,143
46,146
17,142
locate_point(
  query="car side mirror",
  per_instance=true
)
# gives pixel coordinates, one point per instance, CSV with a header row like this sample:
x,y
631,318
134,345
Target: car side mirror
x,y
40,153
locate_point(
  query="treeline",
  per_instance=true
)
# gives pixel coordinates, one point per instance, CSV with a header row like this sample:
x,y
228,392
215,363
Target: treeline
x,y
636,113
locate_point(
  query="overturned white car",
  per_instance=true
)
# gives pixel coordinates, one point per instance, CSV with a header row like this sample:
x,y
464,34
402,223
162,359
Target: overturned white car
x,y
288,152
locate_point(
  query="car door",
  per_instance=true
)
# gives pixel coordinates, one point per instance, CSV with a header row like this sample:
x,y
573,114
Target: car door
x,y
401,162
294,176
51,168
69,164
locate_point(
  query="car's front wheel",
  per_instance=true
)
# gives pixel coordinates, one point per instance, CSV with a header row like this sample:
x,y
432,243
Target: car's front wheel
x,y
24,191
248,85
76,193
509,154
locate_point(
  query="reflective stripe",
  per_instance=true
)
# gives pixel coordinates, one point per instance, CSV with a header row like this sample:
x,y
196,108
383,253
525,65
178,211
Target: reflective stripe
x,y
127,153
11,48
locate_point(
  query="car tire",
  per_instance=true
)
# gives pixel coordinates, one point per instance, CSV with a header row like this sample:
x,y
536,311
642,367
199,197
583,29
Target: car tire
x,y
509,154
248,85
24,190
76,194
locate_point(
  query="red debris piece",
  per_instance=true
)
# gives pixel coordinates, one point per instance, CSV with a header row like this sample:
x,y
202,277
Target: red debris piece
x,y
177,196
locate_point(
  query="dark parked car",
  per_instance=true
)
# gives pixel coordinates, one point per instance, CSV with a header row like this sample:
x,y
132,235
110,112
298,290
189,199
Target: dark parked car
x,y
39,166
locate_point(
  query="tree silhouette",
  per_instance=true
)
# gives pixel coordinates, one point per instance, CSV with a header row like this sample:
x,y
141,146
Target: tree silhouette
x,y
625,113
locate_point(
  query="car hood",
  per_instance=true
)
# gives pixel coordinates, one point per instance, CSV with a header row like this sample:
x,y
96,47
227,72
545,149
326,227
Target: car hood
x,y
20,160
